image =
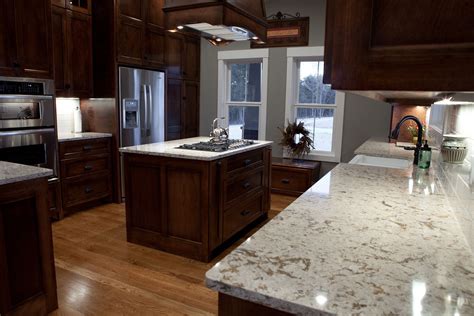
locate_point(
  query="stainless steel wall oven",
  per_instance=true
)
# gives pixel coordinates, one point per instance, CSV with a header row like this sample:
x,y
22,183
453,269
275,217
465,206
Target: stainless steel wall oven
x,y
27,122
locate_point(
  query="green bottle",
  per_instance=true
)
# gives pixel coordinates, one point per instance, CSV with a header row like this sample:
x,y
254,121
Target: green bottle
x,y
424,158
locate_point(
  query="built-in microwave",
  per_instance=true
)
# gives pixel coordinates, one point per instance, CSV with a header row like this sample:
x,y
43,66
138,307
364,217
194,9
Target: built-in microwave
x,y
27,122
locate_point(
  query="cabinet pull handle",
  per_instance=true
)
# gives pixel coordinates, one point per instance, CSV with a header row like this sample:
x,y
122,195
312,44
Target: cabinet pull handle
x,y
285,181
246,185
245,212
67,86
88,167
87,147
88,190
247,162
16,64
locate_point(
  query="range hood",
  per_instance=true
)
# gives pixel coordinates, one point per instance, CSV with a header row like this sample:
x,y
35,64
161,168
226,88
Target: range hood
x,y
219,21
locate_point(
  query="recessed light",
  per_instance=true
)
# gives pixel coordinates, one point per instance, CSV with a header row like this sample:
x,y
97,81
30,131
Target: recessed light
x,y
173,31
218,39
180,27
255,38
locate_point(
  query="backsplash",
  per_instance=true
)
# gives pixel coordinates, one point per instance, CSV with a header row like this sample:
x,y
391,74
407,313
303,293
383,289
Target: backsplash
x,y
65,114
458,180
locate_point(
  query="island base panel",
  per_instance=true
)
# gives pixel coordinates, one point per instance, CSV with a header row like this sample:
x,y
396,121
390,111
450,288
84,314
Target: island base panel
x,y
233,306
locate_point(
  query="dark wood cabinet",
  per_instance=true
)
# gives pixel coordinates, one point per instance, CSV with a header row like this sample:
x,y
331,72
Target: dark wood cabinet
x,y
182,109
140,38
183,56
28,278
25,40
86,171
72,47
54,199
293,177
188,207
400,45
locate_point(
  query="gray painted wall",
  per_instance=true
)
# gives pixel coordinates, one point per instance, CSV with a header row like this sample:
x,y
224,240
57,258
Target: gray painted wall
x,y
358,110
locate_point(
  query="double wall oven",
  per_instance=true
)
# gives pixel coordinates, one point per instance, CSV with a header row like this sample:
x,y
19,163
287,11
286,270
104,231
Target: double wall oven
x,y
27,122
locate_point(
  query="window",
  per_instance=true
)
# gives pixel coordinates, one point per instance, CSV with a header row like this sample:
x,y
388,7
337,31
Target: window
x,y
314,103
242,92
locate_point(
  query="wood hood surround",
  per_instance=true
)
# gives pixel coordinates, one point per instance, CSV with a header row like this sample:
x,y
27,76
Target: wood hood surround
x,y
247,14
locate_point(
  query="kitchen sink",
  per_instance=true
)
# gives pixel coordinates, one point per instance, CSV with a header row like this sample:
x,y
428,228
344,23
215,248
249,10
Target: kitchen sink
x,y
380,162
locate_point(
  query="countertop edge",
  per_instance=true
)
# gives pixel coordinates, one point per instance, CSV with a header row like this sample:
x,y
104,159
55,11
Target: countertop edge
x,y
257,298
85,136
44,174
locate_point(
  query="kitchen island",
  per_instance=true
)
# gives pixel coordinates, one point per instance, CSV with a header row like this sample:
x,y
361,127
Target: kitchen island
x,y
192,203
27,274
362,241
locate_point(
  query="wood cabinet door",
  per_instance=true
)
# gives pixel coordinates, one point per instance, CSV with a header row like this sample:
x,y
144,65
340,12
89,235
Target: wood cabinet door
x,y
59,3
174,55
400,45
80,53
82,6
155,14
190,109
8,62
174,101
33,38
130,41
192,58
132,9
61,61
154,46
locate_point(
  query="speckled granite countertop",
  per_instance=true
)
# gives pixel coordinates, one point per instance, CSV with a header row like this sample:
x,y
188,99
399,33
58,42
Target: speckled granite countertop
x,y
361,241
380,147
12,172
81,136
170,149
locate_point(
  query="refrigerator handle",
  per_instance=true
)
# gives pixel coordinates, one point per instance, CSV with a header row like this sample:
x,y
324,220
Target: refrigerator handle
x,y
150,108
145,111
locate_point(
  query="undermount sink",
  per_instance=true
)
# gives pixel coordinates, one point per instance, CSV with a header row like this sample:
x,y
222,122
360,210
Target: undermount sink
x,y
380,162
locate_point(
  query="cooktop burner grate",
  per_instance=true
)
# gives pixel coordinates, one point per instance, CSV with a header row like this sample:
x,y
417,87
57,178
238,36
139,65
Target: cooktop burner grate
x,y
218,147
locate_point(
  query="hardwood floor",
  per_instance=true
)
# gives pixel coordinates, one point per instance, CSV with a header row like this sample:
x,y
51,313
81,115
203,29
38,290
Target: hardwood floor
x,y
99,273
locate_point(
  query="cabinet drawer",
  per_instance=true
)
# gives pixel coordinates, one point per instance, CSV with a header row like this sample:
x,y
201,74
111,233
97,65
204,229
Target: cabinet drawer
x,y
74,149
240,186
77,167
245,160
290,180
86,188
241,215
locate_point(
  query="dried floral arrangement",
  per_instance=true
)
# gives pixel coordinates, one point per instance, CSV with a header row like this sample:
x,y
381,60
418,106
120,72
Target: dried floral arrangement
x,y
289,137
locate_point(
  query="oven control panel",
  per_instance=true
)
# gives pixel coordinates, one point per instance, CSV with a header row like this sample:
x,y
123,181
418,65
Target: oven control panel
x,y
22,88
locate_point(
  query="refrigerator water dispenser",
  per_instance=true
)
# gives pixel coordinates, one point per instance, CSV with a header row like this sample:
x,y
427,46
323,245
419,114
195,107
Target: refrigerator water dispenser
x,y
130,115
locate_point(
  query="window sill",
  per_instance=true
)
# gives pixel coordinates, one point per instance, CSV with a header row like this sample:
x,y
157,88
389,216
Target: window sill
x,y
318,156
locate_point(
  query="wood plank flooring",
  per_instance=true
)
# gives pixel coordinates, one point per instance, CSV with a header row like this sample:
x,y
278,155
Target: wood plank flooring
x,y
99,273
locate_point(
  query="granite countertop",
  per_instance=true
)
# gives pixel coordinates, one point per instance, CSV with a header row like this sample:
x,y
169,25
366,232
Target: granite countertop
x,y
363,240
170,149
12,172
81,136
380,147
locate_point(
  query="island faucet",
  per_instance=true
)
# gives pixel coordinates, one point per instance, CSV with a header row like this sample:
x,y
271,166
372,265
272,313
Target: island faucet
x,y
396,131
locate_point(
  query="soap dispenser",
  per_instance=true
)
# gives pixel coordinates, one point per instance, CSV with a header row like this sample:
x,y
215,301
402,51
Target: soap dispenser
x,y
424,159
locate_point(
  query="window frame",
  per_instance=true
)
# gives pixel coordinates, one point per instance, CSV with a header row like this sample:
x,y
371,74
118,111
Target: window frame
x,y
225,58
315,53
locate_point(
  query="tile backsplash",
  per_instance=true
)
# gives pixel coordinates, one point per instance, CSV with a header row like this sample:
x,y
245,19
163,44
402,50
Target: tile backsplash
x,y
65,114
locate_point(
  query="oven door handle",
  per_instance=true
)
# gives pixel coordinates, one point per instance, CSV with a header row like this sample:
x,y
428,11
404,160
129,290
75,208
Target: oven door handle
x,y
27,132
26,97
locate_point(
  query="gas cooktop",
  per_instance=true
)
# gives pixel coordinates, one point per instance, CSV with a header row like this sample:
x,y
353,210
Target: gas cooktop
x,y
220,146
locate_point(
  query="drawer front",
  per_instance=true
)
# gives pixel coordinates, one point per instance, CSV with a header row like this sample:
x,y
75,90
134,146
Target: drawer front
x,y
290,180
240,216
82,148
86,188
85,166
240,186
245,161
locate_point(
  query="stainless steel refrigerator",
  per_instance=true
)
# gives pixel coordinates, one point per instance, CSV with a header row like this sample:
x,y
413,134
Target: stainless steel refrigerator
x,y
142,107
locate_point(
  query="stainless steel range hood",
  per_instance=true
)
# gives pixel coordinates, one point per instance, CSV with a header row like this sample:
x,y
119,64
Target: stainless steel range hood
x,y
220,21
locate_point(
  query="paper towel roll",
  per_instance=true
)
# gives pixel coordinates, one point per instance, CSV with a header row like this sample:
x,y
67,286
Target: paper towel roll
x,y
77,120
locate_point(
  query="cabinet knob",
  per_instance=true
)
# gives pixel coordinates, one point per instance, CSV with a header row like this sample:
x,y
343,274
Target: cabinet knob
x,y
87,147
285,181
245,212
247,162
16,64
67,86
246,185
87,167
88,190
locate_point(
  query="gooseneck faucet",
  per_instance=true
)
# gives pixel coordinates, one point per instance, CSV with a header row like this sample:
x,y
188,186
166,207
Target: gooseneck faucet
x,y
394,134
